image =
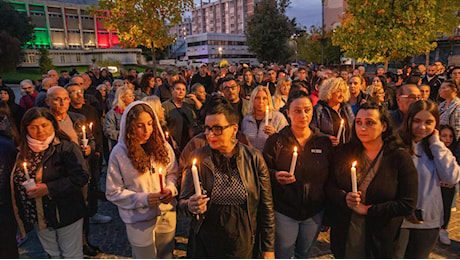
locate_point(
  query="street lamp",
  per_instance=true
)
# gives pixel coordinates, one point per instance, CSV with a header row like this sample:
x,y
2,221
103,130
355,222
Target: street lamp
x,y
220,52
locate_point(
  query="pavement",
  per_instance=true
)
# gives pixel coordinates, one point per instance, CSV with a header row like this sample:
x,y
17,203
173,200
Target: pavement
x,y
111,238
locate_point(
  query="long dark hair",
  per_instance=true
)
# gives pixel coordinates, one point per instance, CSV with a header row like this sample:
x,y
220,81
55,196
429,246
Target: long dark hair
x,y
155,147
452,147
11,131
31,115
145,82
390,140
406,132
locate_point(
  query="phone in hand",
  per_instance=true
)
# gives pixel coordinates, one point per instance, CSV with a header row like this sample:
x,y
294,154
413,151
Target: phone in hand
x,y
419,214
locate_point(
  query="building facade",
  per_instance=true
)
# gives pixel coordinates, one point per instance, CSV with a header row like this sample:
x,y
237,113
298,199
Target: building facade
x,y
71,33
213,47
222,16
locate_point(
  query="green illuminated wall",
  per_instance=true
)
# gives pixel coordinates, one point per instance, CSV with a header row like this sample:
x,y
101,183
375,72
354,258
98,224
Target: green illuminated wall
x,y
41,35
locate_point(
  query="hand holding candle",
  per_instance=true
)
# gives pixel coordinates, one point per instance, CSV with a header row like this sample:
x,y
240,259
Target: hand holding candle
x,y
354,184
293,161
339,134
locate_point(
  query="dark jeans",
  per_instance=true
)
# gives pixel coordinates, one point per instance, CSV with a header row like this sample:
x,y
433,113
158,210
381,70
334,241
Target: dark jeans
x,y
447,198
417,243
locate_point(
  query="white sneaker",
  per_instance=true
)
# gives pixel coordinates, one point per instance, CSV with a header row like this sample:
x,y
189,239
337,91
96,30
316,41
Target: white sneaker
x,y
99,219
444,237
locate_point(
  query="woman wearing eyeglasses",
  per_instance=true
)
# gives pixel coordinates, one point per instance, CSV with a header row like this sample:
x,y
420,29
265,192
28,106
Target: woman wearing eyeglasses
x,y
236,207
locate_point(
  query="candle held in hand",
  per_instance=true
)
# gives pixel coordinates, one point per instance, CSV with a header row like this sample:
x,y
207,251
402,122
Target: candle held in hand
x,y
339,134
293,161
26,171
167,136
196,179
354,184
83,129
161,180
91,126
266,115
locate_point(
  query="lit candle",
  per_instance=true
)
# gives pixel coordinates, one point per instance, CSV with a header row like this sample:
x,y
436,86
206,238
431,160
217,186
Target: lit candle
x,y
167,136
354,184
340,129
26,172
266,115
196,179
83,129
91,126
293,161
161,180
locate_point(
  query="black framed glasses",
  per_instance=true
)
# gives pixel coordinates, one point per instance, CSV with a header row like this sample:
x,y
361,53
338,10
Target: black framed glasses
x,y
216,130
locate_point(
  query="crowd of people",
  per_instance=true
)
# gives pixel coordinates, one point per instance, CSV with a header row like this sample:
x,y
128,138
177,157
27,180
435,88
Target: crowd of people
x,y
262,159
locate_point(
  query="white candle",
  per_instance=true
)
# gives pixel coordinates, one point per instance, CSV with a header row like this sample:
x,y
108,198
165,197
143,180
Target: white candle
x,y
26,172
293,161
340,129
196,179
91,126
354,184
266,115
83,129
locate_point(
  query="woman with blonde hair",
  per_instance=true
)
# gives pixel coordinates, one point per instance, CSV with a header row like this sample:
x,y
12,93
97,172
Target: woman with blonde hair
x,y
123,97
376,93
281,93
254,124
356,87
331,109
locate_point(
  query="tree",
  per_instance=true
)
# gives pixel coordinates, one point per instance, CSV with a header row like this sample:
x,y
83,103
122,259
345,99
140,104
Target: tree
x,y
309,47
269,30
44,61
15,31
143,22
390,30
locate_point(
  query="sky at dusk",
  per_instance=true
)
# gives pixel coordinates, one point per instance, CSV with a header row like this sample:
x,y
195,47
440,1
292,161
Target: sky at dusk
x,y
306,12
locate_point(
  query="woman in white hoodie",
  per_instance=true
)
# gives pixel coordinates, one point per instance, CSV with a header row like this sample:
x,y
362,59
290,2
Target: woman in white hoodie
x,y
141,176
435,163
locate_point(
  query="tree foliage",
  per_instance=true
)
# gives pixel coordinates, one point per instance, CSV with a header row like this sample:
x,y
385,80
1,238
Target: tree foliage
x,y
309,47
44,61
389,30
268,31
143,22
15,31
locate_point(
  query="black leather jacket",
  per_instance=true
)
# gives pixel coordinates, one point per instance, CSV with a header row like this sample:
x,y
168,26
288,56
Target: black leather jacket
x,y
256,180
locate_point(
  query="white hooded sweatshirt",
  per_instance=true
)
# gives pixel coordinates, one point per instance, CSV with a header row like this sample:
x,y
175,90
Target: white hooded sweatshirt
x,y
128,189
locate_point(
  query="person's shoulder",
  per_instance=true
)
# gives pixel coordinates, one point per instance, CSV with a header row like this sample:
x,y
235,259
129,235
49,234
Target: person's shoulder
x,y
74,116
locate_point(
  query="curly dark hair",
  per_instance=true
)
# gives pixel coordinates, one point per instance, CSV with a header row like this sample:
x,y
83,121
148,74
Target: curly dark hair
x,y
154,148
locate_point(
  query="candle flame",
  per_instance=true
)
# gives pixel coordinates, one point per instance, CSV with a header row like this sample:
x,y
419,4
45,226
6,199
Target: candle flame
x,y
167,133
342,122
194,162
24,164
161,169
83,128
91,125
267,107
295,149
354,164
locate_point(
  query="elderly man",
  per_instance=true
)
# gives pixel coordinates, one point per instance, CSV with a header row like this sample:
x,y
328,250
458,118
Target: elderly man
x,y
405,96
28,94
41,97
231,92
53,74
71,123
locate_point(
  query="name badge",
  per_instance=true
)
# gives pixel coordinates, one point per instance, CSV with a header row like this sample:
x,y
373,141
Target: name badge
x,y
318,151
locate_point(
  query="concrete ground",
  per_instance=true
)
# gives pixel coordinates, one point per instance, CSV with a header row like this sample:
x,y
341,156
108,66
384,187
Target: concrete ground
x,y
112,239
